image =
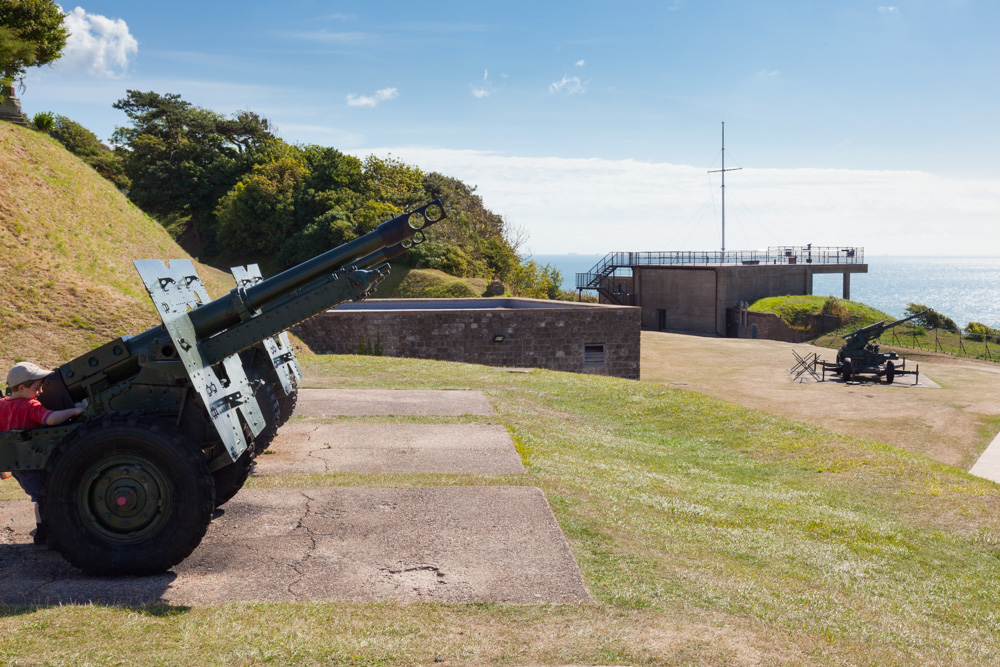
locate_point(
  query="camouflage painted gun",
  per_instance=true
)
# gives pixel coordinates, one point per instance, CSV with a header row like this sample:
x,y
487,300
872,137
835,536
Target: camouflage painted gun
x,y
172,414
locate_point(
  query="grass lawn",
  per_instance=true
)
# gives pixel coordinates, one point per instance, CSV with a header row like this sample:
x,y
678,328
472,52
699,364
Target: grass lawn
x,y
707,533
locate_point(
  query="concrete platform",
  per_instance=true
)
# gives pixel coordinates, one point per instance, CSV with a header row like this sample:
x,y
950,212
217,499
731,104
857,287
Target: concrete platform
x,y
324,403
987,465
303,448
461,544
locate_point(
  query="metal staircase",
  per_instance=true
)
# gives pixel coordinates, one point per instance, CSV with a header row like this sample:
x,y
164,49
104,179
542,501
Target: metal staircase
x,y
602,279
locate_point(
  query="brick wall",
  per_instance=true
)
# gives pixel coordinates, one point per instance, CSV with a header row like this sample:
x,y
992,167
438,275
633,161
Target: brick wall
x,y
562,336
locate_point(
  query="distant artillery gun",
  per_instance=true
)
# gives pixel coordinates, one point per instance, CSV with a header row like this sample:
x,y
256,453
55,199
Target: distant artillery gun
x,y
861,354
173,413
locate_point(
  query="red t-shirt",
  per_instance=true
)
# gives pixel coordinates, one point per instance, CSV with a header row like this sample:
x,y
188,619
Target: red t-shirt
x,y
21,413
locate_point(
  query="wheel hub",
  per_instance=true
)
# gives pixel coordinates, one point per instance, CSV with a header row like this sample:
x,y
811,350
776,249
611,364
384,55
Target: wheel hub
x,y
124,497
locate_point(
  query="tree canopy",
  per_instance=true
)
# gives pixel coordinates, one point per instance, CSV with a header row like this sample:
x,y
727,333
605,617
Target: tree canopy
x,y
251,196
31,34
182,159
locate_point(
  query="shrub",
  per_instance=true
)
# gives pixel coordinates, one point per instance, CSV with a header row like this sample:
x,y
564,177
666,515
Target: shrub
x,y
978,331
44,121
834,306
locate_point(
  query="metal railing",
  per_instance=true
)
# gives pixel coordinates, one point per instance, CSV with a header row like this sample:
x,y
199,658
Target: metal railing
x,y
621,263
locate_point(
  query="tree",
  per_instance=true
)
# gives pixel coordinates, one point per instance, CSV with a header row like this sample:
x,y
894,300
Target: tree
x,y
930,319
31,34
258,214
182,159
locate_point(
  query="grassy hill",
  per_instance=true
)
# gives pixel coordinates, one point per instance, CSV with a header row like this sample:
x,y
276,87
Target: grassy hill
x,y
67,241
796,309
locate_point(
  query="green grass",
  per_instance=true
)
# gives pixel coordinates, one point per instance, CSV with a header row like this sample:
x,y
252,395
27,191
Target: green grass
x,y
796,310
404,282
706,533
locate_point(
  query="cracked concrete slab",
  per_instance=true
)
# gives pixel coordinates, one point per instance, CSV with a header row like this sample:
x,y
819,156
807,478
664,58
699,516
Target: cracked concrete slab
x,y
460,544
324,403
303,448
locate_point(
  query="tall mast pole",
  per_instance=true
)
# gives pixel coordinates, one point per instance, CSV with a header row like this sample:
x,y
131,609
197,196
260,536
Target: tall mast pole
x,y
723,186
723,172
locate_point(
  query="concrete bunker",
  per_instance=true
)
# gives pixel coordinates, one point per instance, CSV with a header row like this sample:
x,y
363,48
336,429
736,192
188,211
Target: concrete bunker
x,y
599,339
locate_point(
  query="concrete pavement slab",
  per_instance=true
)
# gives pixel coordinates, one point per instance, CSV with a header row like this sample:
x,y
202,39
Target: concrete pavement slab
x,y
987,465
304,448
324,403
461,544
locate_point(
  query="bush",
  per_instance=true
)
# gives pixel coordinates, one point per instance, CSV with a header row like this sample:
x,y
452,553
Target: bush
x,y
978,331
834,306
44,121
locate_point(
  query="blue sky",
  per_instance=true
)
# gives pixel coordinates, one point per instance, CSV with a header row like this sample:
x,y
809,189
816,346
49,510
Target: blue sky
x,y
592,125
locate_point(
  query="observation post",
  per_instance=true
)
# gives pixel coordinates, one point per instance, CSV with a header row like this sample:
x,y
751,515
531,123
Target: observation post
x,y
690,291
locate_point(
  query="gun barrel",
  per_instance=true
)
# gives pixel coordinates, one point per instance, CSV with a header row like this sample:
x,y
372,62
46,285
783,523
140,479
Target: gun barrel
x,y
218,315
907,319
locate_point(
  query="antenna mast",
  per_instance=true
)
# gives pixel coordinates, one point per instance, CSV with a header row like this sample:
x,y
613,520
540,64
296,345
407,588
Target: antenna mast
x,y
723,172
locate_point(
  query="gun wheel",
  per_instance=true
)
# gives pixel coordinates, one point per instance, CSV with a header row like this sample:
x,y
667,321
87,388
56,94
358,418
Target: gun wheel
x,y
268,402
890,372
847,370
127,495
230,479
286,405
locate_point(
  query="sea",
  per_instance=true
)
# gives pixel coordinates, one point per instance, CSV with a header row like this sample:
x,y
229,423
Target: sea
x,y
966,289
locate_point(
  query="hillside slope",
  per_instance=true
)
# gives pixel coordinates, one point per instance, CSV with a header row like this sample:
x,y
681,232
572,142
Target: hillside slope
x,y
67,241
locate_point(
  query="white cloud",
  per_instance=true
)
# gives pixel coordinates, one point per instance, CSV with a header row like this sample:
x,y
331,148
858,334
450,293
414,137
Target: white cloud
x,y
580,63
597,206
767,74
480,92
890,9
97,45
380,96
569,85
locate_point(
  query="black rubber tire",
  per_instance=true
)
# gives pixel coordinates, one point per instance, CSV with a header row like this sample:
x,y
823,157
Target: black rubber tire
x,y
229,480
268,402
127,495
890,372
847,370
286,404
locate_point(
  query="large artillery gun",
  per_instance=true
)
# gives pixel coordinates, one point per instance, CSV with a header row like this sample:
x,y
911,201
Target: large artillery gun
x,y
172,413
862,355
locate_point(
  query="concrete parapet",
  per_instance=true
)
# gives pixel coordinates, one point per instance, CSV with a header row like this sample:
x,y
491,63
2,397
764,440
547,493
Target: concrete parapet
x,y
557,335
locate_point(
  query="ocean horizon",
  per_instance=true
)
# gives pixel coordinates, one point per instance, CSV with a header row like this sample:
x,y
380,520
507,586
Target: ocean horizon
x,y
966,289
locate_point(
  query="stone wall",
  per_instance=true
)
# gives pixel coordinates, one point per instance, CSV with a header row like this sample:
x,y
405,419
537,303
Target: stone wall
x,y
562,336
771,327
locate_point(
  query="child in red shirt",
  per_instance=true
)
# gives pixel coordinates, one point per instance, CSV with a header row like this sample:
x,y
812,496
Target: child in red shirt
x,y
22,410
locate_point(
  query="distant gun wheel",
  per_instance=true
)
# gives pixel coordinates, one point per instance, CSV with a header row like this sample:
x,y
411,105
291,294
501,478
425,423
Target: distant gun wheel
x,y
890,372
229,480
847,370
127,495
268,402
286,405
